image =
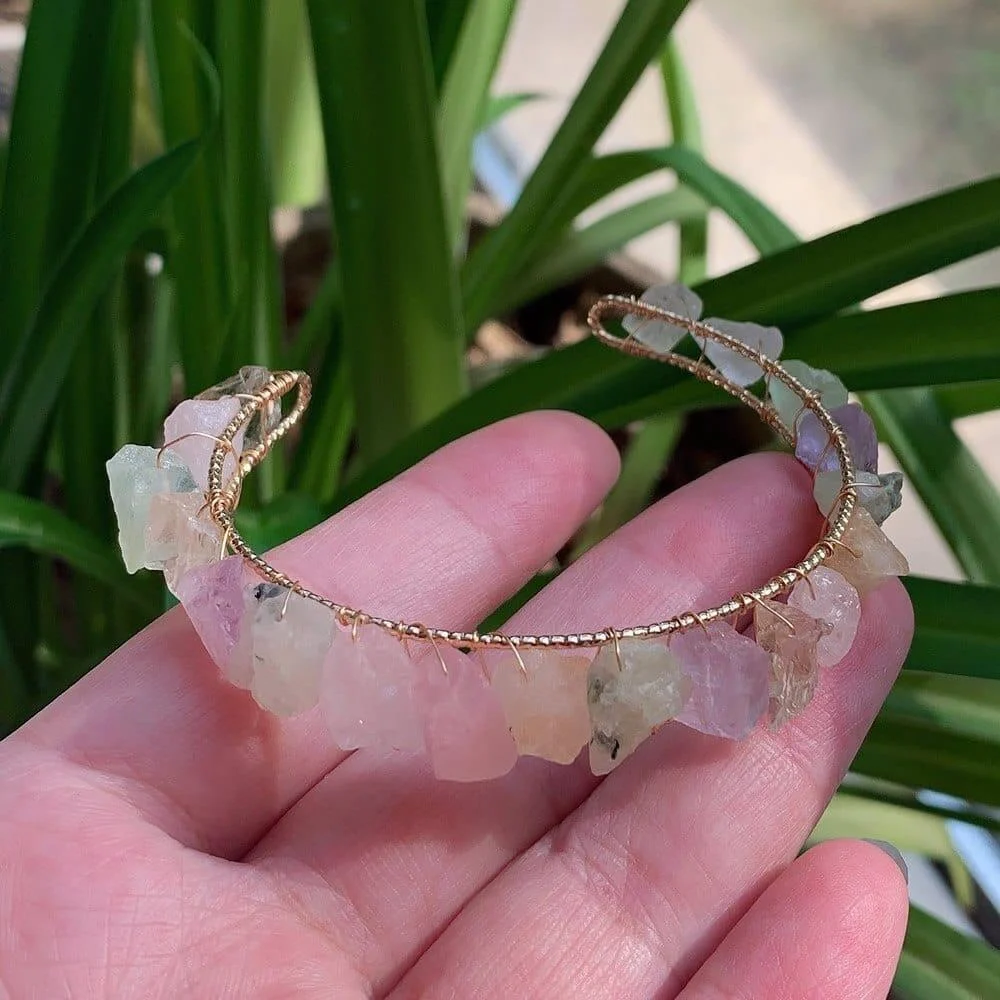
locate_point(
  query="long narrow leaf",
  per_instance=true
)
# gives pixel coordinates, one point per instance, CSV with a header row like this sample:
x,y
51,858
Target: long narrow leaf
x,y
641,29
464,96
32,385
398,282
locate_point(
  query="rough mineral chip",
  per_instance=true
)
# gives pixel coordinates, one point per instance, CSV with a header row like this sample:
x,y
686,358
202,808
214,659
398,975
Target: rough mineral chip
x,y
464,725
729,675
190,430
814,446
631,697
136,477
879,494
833,602
181,535
791,637
289,638
213,597
866,557
788,405
368,697
766,340
658,334
545,704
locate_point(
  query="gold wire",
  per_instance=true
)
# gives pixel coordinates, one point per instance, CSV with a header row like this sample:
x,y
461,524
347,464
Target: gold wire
x,y
520,661
195,434
224,498
618,648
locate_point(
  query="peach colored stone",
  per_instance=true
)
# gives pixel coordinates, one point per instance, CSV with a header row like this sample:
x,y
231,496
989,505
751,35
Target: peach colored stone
x,y
546,707
791,637
866,557
180,535
831,600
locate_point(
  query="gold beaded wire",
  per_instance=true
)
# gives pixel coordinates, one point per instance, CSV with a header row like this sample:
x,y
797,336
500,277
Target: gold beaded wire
x,y
224,497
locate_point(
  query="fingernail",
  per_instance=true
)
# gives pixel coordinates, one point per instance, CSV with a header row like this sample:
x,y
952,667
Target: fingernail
x,y
884,845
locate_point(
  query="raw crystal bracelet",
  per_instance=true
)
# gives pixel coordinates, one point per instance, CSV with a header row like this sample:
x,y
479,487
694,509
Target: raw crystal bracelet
x,y
474,701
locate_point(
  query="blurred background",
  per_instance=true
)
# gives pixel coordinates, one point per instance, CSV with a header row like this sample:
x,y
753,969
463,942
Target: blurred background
x,y
418,202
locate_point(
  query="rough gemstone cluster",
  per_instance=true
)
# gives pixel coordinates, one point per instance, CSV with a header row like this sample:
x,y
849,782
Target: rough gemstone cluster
x,y
474,713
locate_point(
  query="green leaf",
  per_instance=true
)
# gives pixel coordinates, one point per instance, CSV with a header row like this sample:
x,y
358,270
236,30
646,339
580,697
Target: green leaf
x,y
685,127
498,106
640,31
464,97
968,398
32,385
444,19
938,732
55,138
40,528
939,963
293,126
957,628
398,281
581,250
187,90
957,492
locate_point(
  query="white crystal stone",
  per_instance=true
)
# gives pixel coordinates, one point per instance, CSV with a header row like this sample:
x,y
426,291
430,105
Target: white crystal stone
x,y
658,334
546,704
136,477
832,601
879,494
368,697
832,392
190,429
729,676
180,535
289,637
249,380
766,340
631,697
464,725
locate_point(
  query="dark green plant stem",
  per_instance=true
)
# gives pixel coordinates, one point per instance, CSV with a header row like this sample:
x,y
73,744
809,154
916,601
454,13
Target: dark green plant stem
x,y
199,260
399,288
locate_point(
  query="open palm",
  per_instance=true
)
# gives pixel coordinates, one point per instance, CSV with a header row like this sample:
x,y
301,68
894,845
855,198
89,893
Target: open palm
x,y
160,836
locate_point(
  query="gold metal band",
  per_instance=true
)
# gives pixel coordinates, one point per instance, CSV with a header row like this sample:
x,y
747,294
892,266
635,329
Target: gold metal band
x,y
224,497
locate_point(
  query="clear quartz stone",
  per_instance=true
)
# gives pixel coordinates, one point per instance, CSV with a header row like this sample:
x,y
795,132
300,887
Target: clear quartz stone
x,y
832,601
289,637
791,637
368,697
766,340
879,494
189,431
729,676
788,405
249,380
815,449
213,597
629,699
546,704
464,726
658,334
136,475
866,557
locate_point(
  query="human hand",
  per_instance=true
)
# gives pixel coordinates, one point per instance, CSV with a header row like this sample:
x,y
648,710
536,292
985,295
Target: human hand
x,y
160,836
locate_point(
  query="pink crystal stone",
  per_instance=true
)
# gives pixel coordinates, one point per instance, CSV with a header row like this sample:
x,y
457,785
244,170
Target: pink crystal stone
x,y
546,703
212,596
865,556
464,726
814,447
367,697
191,427
791,637
833,601
729,676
